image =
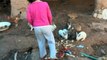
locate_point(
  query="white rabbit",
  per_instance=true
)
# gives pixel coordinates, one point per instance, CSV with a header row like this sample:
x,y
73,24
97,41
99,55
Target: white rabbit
x,y
81,36
31,27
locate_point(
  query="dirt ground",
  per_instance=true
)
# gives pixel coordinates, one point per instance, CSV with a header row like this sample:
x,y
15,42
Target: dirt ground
x,y
22,39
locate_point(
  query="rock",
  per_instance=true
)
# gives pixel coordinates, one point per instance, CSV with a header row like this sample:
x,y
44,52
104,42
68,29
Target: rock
x,y
11,42
35,54
104,14
78,58
99,26
105,29
103,52
102,58
95,15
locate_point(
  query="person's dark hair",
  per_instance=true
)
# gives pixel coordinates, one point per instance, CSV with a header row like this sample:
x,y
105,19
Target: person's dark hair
x,y
30,1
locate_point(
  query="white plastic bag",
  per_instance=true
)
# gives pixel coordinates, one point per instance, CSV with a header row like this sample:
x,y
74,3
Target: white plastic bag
x,y
63,33
53,27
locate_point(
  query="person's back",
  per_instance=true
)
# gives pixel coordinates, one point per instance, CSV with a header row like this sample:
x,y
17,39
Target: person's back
x,y
39,13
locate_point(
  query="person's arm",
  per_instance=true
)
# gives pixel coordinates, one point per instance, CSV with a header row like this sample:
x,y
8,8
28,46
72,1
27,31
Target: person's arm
x,y
49,14
28,16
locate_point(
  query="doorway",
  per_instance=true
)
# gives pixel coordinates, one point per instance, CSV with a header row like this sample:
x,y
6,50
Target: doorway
x,y
5,7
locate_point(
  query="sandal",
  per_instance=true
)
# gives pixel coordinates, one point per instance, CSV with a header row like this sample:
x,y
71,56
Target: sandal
x,y
43,57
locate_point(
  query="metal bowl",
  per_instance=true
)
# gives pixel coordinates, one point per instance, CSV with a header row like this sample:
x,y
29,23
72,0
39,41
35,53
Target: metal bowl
x,y
4,25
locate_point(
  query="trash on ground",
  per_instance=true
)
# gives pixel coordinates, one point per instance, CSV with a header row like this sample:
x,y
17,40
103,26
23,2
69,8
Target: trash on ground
x,y
102,58
88,56
80,46
64,51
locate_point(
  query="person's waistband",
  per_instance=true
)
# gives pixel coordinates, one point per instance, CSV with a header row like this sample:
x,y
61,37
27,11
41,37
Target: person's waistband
x,y
42,26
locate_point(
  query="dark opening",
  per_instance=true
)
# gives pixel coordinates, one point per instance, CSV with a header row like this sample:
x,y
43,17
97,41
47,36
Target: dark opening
x,y
5,7
82,6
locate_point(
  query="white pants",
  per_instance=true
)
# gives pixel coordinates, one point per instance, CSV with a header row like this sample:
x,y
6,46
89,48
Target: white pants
x,y
44,33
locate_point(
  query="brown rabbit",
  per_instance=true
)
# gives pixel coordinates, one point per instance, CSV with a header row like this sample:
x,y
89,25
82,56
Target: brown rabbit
x,y
14,19
78,28
73,15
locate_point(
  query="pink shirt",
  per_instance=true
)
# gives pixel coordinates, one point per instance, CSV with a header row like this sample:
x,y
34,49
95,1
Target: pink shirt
x,y
39,14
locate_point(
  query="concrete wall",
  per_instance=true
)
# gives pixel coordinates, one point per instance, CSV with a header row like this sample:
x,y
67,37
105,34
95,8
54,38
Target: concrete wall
x,y
101,4
20,5
17,6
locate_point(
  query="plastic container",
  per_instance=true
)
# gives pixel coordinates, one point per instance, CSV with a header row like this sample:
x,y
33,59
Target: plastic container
x,y
4,25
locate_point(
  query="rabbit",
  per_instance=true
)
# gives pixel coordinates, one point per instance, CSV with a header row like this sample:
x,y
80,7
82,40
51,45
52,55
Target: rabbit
x,y
73,15
15,19
66,32
72,32
81,36
31,27
77,34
